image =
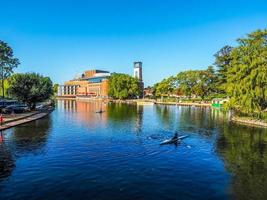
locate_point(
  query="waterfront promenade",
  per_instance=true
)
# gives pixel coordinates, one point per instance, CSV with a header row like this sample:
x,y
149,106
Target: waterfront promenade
x,y
18,119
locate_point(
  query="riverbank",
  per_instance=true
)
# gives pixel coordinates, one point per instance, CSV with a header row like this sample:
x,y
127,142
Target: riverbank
x,y
137,101
151,102
18,119
185,104
249,121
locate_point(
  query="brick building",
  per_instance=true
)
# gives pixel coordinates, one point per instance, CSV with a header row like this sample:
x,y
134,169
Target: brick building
x,y
94,83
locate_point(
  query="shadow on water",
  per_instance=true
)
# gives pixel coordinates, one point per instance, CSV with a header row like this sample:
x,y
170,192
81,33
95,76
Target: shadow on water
x,y
21,140
244,152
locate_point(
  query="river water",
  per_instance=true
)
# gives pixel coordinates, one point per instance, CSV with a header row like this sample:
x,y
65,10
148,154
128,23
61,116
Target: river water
x,y
76,153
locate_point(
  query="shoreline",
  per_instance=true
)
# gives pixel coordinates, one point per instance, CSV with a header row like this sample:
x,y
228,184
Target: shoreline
x,y
29,117
147,102
185,104
249,121
137,101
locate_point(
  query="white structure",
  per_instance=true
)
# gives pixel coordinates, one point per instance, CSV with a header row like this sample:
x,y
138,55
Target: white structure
x,y
67,90
139,75
138,71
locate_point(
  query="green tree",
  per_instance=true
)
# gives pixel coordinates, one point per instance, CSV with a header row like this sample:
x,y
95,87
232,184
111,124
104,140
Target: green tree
x,y
247,74
123,86
191,82
186,81
55,88
197,82
30,88
7,64
222,62
206,82
6,86
165,87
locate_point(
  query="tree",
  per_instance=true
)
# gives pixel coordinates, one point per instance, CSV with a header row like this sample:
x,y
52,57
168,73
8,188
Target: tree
x,y
123,86
30,88
222,62
186,81
196,82
165,87
55,88
7,63
192,82
247,74
204,83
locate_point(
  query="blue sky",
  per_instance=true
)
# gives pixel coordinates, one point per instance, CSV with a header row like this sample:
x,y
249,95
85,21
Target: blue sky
x,y
63,38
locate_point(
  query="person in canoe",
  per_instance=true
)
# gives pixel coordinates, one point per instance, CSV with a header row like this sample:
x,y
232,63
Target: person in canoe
x,y
175,137
173,140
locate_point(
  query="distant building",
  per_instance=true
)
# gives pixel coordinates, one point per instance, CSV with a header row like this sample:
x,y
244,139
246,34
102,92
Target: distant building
x,y
94,83
148,92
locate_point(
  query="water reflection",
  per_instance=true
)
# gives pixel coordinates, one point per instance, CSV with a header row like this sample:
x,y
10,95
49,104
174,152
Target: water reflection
x,y
166,115
244,151
77,153
139,119
31,137
121,114
115,115
21,140
83,112
6,161
188,119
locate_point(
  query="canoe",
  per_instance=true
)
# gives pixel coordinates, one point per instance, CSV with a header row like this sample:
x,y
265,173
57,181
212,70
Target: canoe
x,y
100,111
173,141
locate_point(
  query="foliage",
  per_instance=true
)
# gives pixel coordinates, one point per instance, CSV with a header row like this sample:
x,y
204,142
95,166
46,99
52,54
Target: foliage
x,y
123,86
165,87
187,83
55,88
241,75
222,62
247,74
30,88
6,86
7,63
244,153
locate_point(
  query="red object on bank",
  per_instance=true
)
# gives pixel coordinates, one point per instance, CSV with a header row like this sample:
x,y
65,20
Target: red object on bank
x,y
1,119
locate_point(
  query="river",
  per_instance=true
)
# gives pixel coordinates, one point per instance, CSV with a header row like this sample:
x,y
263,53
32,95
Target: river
x,y
76,153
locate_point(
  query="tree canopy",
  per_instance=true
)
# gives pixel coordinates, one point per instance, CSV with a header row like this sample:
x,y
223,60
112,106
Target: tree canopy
x,y
55,88
222,62
123,86
7,63
241,74
247,73
30,88
187,83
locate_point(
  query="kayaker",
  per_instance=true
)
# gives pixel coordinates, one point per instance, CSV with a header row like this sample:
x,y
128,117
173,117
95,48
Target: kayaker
x,y
175,137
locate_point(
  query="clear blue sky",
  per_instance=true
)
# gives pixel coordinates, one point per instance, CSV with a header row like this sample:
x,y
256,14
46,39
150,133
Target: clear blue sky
x,y
63,38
